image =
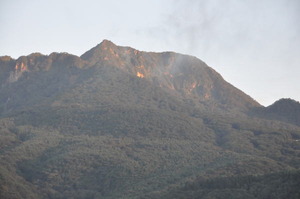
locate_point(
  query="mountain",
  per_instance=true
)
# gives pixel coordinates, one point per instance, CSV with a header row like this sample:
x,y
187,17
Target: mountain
x,y
286,110
121,123
187,75
184,76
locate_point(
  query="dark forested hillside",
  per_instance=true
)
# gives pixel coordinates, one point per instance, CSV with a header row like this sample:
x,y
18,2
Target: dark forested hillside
x,y
275,185
286,110
121,123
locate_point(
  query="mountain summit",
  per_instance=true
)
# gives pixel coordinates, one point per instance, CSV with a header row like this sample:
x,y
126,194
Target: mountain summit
x,y
186,75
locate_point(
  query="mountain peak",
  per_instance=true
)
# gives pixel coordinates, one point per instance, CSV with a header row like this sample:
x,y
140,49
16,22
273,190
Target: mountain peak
x,y
283,104
96,54
184,75
106,43
285,109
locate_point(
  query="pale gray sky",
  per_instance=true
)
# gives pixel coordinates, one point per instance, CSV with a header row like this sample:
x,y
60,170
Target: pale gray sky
x,y
253,44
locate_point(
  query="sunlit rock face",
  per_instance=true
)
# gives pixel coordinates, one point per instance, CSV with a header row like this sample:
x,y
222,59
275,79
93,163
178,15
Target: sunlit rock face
x,y
16,74
140,75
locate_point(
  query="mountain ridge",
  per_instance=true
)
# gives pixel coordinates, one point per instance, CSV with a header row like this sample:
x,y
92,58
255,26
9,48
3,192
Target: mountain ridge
x,y
187,76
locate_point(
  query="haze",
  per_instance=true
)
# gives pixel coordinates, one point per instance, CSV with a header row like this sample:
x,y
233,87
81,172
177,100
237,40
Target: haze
x,y
253,44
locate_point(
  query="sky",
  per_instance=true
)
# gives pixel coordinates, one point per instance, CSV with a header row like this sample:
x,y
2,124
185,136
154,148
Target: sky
x,y
253,44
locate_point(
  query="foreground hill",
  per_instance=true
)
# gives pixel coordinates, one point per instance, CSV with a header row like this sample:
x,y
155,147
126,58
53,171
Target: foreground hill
x,y
120,123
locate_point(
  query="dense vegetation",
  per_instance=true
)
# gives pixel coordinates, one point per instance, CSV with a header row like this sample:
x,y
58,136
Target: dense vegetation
x,y
275,185
286,110
75,127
